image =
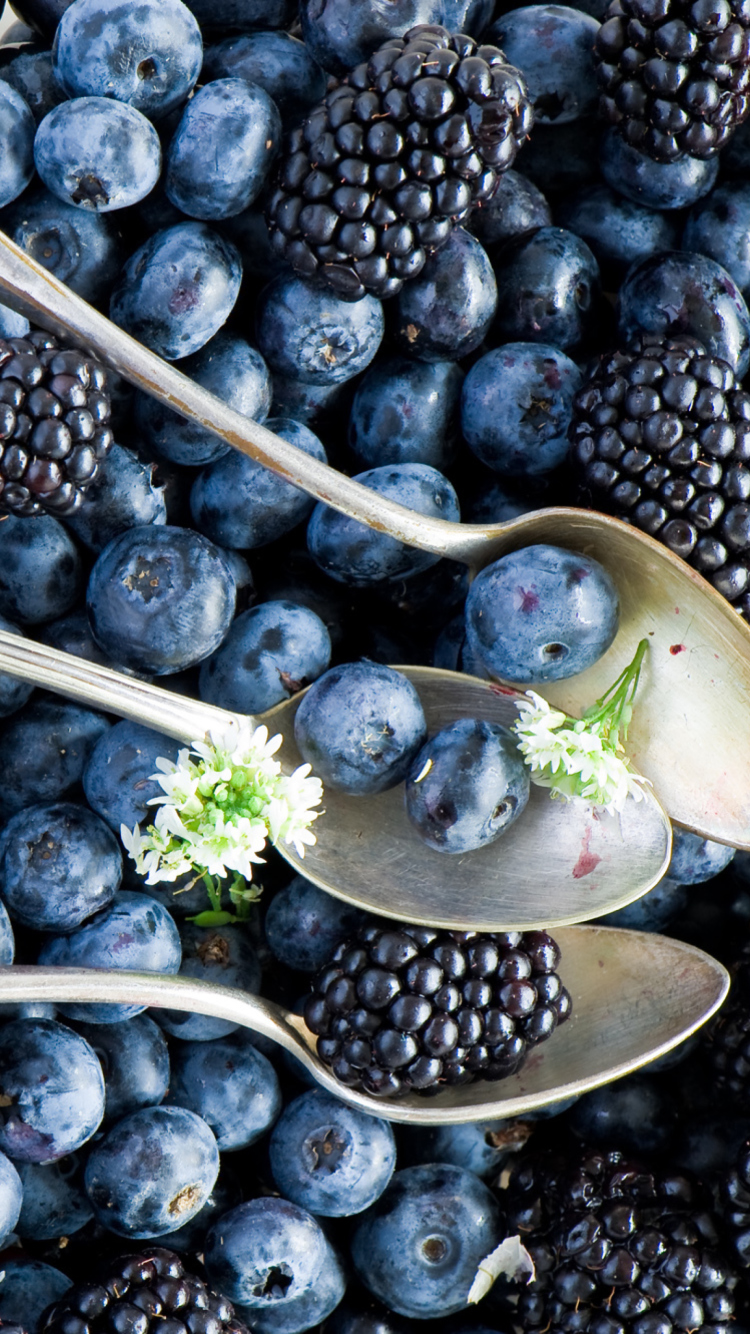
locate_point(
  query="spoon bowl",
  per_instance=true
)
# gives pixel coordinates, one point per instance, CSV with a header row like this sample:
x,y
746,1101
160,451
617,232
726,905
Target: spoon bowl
x,y
560,862
635,997
694,701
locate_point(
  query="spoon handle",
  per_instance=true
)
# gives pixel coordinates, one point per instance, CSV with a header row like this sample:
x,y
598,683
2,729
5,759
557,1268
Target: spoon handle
x,y
94,685
30,289
66,986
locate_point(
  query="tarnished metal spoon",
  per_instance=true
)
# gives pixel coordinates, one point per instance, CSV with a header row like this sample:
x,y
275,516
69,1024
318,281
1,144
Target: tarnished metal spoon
x,y
694,703
635,996
559,862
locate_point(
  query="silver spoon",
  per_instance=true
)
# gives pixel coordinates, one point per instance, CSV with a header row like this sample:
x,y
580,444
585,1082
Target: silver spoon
x,y
694,702
559,863
635,996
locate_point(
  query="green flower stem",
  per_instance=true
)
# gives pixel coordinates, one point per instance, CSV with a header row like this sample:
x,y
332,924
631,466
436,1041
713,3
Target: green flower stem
x,y
613,711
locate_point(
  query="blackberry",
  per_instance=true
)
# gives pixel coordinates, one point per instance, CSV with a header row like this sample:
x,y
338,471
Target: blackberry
x,y
726,1041
147,1293
661,439
734,1201
396,154
675,74
409,1007
54,409
619,1248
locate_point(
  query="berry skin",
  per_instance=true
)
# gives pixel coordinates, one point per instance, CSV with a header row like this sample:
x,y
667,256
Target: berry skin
x,y
303,925
152,1172
228,1083
26,1289
541,614
148,58
329,1158
44,748
547,290
135,1060
80,247
59,865
160,598
221,954
11,1197
122,494
54,1204
695,859
660,438
659,185
446,311
406,411
307,332
201,179
359,726
270,653
280,64
178,289
97,154
618,231
440,1221
403,1007
17,130
118,779
466,786
380,172
553,45
53,1091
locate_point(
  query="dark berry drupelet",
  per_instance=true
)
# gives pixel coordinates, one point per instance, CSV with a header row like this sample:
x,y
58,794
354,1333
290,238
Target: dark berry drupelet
x,y
619,1248
54,410
734,1204
408,1007
661,439
144,1293
726,1040
675,74
398,152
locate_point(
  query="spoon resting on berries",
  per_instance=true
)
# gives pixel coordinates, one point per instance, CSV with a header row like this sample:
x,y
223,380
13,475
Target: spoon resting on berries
x,y
698,679
634,996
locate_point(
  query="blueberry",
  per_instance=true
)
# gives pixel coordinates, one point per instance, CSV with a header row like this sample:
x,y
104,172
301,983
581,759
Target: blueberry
x,y
97,154
54,1204
274,1260
12,325
304,925
223,955
406,412
634,1112
41,576
226,1194
229,368
147,56
679,293
202,178
134,933
160,598
118,778
445,312
360,726
27,1288
652,911
516,406
353,553
178,289
516,206
41,16
340,37
329,1158
7,939
122,495
275,61
135,1061
52,1090
44,750
305,331
239,503
481,1147
541,614
547,289
659,185
554,46
59,864
32,75
11,1197
72,634
14,692
80,247
243,15
228,1083
440,1221
718,226
152,1172
270,652
496,501
618,231
466,786
695,859
17,130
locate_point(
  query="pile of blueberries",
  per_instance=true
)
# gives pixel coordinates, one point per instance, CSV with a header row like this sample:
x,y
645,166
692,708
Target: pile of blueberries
x,y
137,151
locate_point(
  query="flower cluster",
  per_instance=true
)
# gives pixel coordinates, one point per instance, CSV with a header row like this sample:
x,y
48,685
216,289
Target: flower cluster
x,y
222,801
584,757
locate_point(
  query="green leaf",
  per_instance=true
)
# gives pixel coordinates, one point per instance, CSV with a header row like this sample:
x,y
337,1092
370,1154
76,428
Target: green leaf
x,y
209,918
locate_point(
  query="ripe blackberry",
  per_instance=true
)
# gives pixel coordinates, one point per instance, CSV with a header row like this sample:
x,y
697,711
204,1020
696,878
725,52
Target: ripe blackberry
x,y
726,1039
54,410
395,155
675,74
618,1247
661,439
147,1293
409,1007
734,1203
